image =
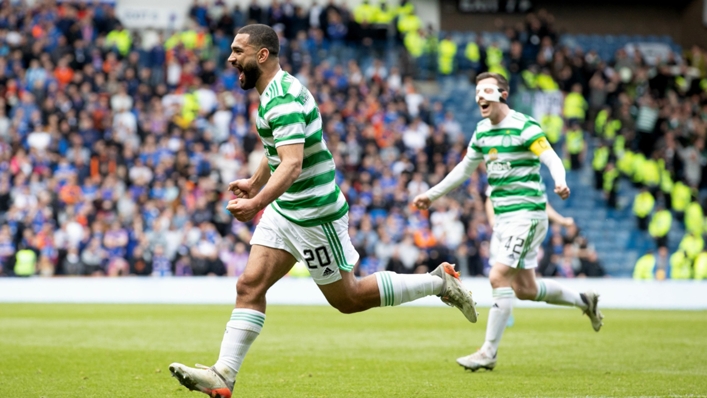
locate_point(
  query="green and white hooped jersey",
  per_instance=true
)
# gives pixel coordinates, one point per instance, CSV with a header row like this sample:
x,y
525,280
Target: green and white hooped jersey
x,y
288,114
516,187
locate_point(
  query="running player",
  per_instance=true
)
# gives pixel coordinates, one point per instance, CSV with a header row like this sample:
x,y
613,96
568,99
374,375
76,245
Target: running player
x,y
513,146
305,219
552,216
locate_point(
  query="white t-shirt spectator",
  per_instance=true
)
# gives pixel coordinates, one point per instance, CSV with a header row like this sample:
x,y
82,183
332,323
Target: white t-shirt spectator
x,y
74,233
376,71
415,137
174,73
413,101
207,99
125,129
4,128
121,102
452,128
222,122
416,187
39,140
140,173
395,81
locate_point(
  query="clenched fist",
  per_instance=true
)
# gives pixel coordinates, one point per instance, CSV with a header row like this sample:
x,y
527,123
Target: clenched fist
x,y
422,202
243,209
243,188
563,191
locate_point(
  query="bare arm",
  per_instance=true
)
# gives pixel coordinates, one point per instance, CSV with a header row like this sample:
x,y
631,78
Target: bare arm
x,y
291,157
249,188
558,218
262,174
490,215
246,206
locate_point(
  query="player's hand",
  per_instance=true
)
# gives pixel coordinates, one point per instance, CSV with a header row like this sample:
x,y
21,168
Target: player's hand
x,y
243,209
422,202
567,222
563,191
243,188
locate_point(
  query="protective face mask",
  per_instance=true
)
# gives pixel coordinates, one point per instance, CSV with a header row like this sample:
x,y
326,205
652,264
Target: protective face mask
x,y
494,96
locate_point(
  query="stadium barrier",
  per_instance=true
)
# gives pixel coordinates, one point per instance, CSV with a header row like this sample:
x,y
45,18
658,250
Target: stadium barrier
x,y
615,293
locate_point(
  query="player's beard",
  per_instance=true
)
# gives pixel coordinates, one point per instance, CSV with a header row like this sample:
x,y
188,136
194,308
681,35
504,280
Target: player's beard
x,y
251,74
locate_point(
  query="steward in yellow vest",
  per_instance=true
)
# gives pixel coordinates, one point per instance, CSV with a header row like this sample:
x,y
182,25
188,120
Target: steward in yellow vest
x,y
384,14
645,267
637,166
700,266
575,104
694,218
660,226
414,43
666,184
681,197
599,162
692,245
680,266
545,82
473,53
651,174
575,145
365,13
552,126
611,184
642,208
25,262
625,164
445,58
120,39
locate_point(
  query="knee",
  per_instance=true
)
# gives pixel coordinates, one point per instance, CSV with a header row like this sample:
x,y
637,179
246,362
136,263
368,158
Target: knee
x,y
347,305
249,288
498,280
525,292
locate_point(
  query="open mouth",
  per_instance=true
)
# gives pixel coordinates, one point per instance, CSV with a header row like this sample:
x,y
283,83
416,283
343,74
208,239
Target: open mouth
x,y
484,106
240,71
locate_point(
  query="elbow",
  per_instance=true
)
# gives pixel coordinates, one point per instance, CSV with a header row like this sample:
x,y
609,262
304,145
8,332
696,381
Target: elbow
x,y
295,168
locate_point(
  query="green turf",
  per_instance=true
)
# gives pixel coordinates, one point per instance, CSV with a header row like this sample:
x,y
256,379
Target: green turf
x,y
124,351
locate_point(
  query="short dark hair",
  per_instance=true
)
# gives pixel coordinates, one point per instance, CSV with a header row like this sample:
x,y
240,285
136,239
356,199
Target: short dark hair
x,y
502,82
262,36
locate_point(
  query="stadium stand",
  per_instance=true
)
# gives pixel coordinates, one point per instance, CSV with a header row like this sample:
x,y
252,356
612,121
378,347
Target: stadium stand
x,y
116,146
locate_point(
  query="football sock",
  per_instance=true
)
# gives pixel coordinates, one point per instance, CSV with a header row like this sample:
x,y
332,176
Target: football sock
x,y
245,325
498,318
552,292
396,289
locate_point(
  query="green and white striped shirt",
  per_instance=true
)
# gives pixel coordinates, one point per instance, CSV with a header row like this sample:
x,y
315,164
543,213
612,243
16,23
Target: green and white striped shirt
x,y
288,114
513,169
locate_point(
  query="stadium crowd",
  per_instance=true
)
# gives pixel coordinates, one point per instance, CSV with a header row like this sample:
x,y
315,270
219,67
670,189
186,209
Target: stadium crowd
x,y
116,146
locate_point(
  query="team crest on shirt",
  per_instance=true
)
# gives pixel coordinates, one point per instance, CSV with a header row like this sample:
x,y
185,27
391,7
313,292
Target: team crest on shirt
x,y
506,142
493,154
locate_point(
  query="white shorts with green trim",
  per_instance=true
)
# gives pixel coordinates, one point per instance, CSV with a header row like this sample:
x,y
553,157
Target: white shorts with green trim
x,y
324,249
515,242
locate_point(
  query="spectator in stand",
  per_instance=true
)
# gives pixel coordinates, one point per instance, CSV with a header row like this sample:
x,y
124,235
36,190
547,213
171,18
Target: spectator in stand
x,y
133,147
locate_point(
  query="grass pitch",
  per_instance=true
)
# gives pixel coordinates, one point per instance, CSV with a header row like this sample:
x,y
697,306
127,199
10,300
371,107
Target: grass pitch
x,y
124,350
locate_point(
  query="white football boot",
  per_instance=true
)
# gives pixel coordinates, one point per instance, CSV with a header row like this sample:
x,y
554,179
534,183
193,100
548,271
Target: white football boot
x,y
477,360
591,299
205,379
453,293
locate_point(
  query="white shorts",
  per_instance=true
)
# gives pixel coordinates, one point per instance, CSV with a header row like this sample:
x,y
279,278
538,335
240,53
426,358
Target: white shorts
x,y
324,249
515,242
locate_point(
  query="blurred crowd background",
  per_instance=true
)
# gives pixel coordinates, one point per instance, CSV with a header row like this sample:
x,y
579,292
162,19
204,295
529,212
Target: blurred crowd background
x,y
116,147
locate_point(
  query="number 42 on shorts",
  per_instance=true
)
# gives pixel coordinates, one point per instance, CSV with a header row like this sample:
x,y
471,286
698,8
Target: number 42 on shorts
x,y
518,247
